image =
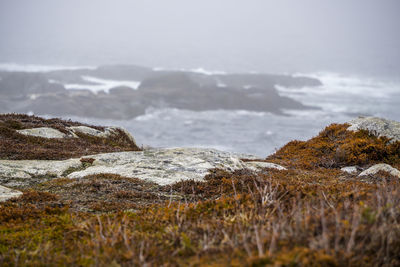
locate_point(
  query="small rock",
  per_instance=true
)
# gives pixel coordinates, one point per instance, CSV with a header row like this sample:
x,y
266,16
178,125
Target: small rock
x,y
109,131
85,130
377,126
7,193
259,165
350,169
381,167
44,132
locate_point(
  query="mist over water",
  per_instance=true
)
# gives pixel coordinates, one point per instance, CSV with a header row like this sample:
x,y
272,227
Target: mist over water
x,y
351,46
356,36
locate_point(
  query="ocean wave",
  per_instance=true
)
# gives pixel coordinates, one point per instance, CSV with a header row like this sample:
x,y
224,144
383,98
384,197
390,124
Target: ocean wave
x,y
101,84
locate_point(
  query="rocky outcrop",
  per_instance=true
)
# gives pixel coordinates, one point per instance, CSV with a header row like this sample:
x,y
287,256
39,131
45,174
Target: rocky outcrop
x,y
107,132
7,193
161,166
377,126
381,168
44,132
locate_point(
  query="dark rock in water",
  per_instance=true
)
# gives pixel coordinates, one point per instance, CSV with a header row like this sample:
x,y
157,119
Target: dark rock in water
x,y
25,84
111,72
43,93
266,80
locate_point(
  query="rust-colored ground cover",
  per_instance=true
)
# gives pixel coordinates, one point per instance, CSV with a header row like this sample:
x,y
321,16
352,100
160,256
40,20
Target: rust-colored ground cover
x,y
309,215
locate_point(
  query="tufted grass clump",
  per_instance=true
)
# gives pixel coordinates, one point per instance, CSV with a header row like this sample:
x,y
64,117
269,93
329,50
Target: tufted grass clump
x,y
336,147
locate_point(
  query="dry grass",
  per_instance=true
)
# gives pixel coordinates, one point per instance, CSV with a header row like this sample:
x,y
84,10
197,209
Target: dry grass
x,y
310,215
335,147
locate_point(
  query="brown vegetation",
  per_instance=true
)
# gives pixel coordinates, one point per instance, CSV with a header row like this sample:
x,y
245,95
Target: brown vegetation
x,y
310,215
16,146
336,147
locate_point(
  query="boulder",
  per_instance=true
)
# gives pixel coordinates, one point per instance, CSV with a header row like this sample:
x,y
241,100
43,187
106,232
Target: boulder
x,y
381,167
45,132
377,126
109,131
7,193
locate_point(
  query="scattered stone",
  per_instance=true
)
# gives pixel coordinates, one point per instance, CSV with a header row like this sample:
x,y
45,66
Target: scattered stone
x,y
7,193
350,169
381,167
259,165
377,126
44,132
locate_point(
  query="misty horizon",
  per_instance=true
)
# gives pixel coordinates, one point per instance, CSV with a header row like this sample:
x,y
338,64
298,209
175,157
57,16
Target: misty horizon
x,y
355,37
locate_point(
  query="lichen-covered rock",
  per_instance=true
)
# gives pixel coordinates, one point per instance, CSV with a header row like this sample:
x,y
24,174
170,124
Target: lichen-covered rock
x,y
108,131
164,166
44,132
381,167
259,165
85,130
377,126
22,172
350,169
7,193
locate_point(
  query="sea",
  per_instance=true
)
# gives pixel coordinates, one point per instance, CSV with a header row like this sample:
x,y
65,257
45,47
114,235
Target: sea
x,y
341,98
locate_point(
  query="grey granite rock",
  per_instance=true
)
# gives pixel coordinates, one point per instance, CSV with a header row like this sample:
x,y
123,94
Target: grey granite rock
x,y
7,193
162,166
44,132
108,131
259,165
350,169
377,126
381,167
23,172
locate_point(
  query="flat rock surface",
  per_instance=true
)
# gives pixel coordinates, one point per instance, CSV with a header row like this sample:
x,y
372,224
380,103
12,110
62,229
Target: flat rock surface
x,y
7,193
162,166
377,126
381,167
20,172
259,165
44,132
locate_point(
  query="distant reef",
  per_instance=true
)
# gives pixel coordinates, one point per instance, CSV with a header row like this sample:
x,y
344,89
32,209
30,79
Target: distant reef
x,y
46,93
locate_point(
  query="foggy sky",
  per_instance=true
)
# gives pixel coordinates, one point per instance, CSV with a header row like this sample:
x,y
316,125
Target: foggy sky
x,y
360,36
